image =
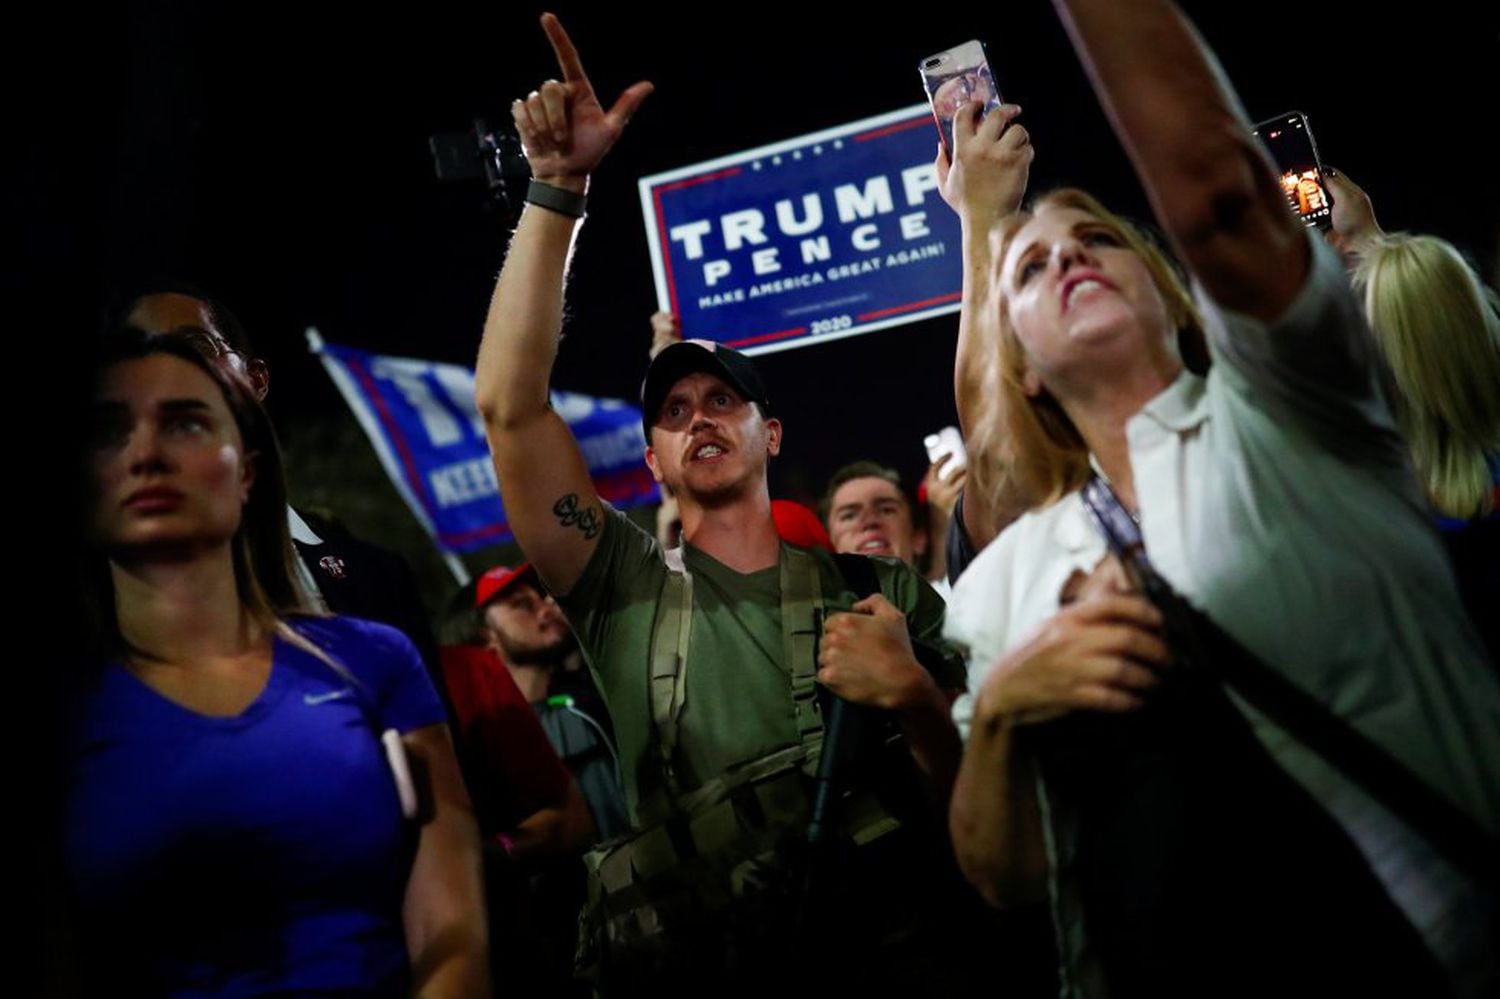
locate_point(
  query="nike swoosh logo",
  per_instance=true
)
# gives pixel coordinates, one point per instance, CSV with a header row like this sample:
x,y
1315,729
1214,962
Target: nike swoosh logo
x,y
332,695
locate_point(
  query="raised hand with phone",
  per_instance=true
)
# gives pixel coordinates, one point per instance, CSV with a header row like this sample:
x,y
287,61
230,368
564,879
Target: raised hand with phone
x,y
1354,227
983,157
984,182
985,179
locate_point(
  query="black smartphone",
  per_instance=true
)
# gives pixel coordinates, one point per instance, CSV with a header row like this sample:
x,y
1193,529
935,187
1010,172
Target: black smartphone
x,y
953,78
1289,139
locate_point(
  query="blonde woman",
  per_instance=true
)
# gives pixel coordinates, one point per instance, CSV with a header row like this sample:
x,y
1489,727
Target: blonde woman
x,y
1273,494
1439,331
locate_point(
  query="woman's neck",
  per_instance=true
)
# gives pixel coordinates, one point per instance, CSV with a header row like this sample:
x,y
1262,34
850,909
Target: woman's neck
x,y
182,610
1101,417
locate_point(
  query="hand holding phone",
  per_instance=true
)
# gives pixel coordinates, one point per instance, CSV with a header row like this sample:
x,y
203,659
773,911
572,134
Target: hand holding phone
x,y
947,442
1354,224
986,157
1288,138
956,77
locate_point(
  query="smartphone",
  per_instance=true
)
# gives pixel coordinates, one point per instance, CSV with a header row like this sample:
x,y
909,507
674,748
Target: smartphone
x,y
1289,140
947,441
952,79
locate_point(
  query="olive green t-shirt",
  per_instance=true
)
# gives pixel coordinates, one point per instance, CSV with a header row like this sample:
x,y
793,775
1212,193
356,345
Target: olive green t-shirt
x,y
738,704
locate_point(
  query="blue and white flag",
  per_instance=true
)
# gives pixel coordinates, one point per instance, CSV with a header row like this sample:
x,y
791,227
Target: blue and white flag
x,y
815,238
421,419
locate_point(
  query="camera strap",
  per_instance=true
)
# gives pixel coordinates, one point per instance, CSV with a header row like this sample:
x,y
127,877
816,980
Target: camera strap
x,y
1200,643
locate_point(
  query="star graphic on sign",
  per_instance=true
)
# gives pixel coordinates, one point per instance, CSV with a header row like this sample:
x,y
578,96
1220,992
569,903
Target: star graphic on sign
x,y
796,154
817,150
838,143
755,165
776,161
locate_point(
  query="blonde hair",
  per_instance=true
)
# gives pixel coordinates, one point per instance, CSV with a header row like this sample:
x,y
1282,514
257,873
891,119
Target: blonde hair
x,y
1439,331
1025,451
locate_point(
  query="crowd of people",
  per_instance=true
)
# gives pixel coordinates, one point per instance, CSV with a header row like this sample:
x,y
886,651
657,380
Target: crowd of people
x,y
1183,684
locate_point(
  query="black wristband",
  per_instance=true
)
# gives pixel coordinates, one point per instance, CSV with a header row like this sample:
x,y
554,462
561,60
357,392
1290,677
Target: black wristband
x,y
557,199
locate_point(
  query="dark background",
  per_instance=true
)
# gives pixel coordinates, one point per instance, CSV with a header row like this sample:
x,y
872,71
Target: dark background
x,y
278,159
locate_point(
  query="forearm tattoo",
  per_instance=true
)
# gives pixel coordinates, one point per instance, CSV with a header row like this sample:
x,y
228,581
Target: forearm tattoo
x,y
568,514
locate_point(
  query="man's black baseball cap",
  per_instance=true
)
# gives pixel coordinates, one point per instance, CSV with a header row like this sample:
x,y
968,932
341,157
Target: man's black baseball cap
x,y
690,356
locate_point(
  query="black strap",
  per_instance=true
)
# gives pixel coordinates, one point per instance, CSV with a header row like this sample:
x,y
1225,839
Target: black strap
x,y
845,720
556,199
1199,642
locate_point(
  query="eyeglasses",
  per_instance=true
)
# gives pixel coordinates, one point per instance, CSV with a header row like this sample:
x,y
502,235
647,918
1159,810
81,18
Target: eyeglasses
x,y
216,349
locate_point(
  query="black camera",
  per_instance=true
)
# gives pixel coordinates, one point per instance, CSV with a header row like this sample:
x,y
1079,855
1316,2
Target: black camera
x,y
481,153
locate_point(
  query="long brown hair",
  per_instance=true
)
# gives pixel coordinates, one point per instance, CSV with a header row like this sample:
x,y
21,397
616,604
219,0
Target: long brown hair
x,y
1025,451
265,578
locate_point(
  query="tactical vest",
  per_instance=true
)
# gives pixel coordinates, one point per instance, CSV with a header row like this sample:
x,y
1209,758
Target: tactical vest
x,y
713,874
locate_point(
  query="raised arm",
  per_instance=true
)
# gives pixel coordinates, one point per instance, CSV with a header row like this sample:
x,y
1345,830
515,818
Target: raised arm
x,y
544,482
984,184
1211,186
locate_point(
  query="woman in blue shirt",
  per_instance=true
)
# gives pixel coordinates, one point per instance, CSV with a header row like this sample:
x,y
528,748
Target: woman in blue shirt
x,y
260,800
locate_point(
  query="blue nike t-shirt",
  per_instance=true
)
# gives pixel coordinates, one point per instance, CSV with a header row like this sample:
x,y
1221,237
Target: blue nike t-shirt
x,y
254,854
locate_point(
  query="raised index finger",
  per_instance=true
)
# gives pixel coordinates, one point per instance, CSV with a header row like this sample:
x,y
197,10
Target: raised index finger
x,y
562,45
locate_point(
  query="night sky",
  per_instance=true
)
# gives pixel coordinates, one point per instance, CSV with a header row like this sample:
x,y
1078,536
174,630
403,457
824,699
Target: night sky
x,y
279,160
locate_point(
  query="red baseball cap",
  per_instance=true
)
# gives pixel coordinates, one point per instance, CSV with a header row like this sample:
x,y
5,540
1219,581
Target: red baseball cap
x,y
797,524
496,581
